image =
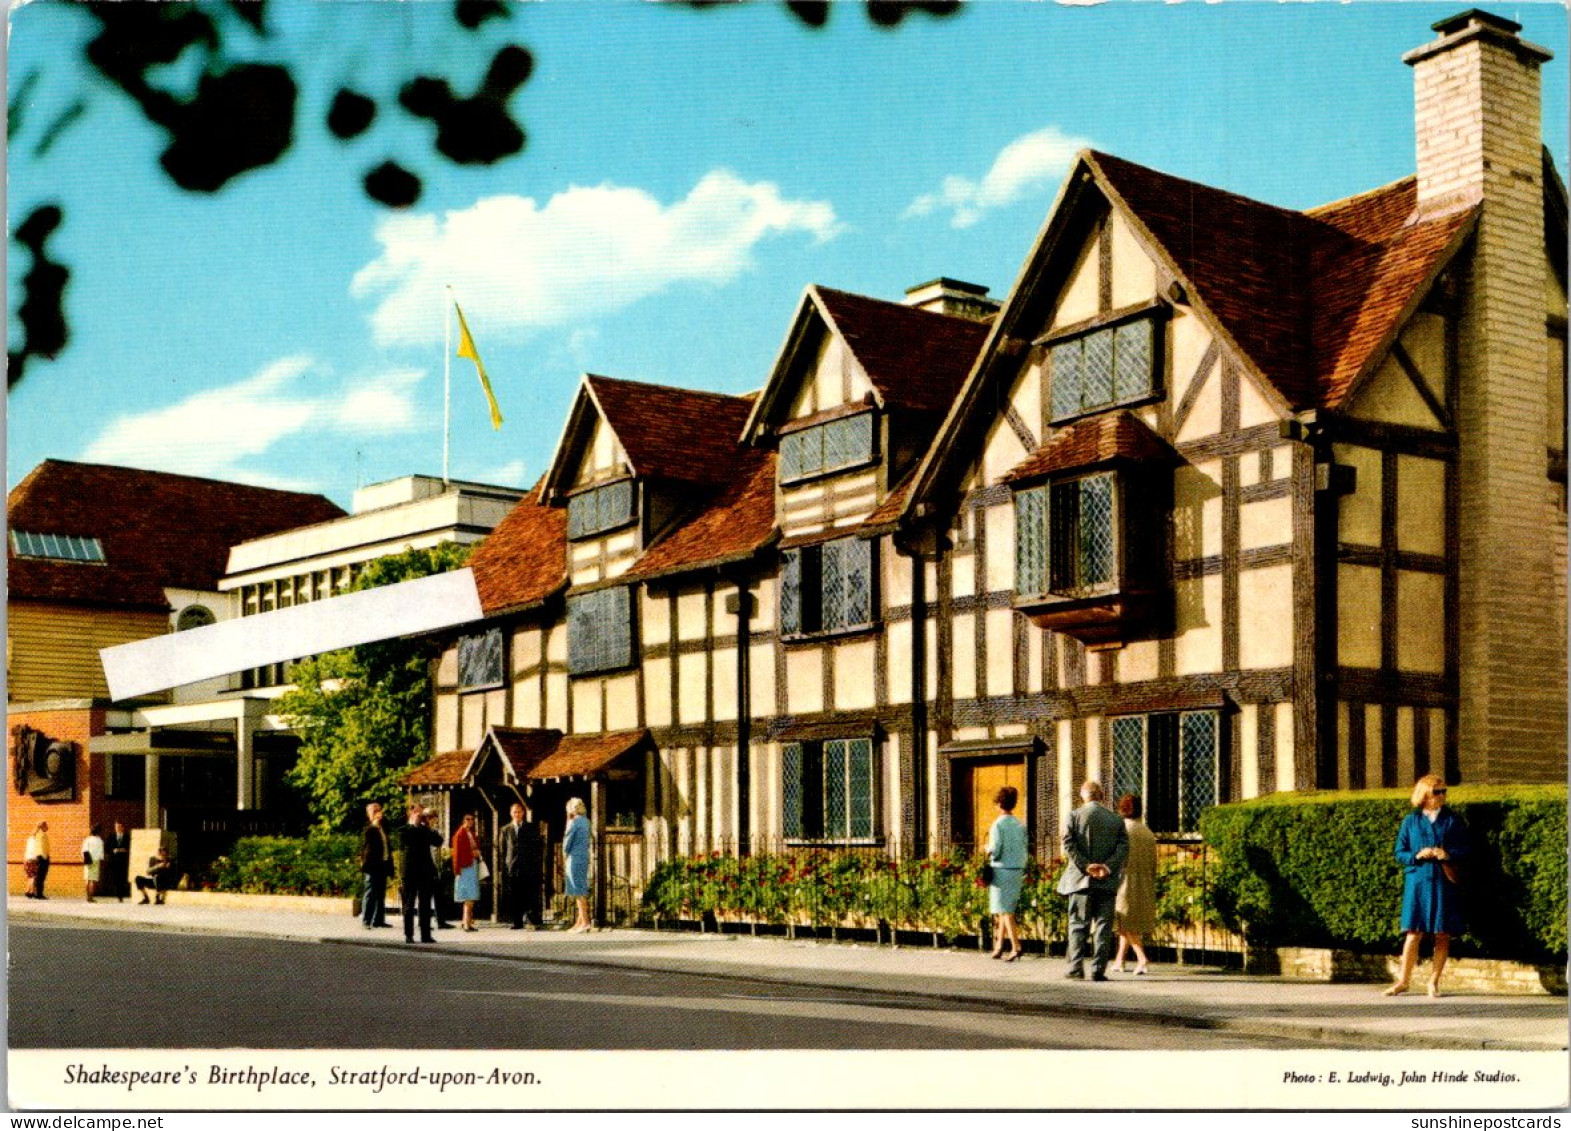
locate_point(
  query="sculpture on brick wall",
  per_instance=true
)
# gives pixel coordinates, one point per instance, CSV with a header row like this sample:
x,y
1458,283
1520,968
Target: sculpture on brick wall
x,y
42,767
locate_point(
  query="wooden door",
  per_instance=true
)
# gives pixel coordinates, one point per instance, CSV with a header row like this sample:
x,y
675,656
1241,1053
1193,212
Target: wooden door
x,y
975,784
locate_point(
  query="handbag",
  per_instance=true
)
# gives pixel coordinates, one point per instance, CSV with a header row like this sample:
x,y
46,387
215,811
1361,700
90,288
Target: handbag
x,y
987,872
1452,873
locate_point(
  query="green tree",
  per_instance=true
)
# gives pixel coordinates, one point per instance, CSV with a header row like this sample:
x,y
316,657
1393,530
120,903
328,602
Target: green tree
x,y
362,713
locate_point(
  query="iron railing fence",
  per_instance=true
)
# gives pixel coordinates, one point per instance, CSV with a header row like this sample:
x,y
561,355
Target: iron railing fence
x,y
880,891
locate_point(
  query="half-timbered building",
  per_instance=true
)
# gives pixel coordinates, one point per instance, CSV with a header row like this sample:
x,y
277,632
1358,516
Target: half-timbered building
x,y
1223,499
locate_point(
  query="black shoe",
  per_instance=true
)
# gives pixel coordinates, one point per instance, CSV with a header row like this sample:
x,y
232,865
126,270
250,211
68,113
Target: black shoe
x,y
428,938
444,926
516,927
409,939
1099,977
1080,974
389,926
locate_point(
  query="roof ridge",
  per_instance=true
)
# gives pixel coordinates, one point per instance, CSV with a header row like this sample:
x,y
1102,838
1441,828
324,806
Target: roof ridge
x,y
1343,201
1099,156
166,475
685,390
893,304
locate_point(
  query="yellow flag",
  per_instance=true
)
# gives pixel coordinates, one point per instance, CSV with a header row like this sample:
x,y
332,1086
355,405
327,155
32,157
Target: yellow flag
x,y
466,348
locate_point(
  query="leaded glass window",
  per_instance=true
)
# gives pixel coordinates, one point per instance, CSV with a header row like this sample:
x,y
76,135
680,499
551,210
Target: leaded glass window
x,y
1109,366
601,509
831,446
600,631
1083,543
1031,541
828,790
480,660
1170,761
826,588
1197,774
1129,757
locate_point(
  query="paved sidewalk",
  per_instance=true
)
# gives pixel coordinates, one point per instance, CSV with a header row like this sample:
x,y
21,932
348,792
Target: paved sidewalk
x,y
1193,997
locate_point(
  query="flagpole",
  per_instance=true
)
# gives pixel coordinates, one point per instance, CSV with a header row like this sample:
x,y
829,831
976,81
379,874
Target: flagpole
x,y
447,383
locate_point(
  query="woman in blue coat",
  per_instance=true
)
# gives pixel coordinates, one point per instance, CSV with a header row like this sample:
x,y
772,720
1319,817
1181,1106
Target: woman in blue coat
x,y
1429,840
1007,852
575,862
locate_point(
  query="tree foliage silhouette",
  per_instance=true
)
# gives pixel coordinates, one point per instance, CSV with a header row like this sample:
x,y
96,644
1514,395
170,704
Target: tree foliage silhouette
x,y
244,113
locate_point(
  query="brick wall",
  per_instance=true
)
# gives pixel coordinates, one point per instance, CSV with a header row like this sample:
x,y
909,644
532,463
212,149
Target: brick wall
x,y
69,821
1477,104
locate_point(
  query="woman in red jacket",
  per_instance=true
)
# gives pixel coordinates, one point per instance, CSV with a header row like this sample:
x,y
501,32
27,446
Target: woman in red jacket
x,y
466,869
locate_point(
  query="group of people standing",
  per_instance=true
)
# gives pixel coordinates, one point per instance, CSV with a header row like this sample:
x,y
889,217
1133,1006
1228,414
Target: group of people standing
x,y
414,849
106,865
1109,878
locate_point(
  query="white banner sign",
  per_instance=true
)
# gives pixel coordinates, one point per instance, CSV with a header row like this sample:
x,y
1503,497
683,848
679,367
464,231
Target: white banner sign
x,y
406,609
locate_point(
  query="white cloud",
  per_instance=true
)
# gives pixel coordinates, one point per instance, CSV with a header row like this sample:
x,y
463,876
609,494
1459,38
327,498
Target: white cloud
x,y
216,431
510,474
1031,163
517,266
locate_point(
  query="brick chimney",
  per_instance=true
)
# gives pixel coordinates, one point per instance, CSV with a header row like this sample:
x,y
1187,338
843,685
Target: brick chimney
x,y
952,297
1477,115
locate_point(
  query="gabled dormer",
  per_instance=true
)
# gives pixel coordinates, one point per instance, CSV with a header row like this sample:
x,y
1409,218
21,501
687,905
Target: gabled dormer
x,y
634,461
856,395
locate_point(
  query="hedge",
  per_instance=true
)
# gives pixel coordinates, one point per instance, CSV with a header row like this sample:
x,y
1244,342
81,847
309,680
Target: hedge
x,y
319,864
1319,870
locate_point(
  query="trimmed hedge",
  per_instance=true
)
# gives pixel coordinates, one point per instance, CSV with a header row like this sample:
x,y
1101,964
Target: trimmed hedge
x,y
319,864
1318,869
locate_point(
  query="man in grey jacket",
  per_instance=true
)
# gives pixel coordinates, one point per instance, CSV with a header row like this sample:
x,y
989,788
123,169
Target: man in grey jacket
x,y
1095,846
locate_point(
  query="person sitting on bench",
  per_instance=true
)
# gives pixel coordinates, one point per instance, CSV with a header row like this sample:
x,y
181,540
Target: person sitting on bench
x,y
160,877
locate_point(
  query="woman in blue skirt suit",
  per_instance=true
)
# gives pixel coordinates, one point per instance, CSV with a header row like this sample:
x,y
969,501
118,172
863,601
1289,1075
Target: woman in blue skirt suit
x,y
1429,839
575,862
1006,852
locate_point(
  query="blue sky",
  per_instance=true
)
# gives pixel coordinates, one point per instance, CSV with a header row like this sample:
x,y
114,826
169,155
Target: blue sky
x,y
687,173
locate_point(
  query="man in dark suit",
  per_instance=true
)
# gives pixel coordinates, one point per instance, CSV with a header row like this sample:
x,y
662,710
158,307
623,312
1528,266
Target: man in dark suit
x,y
417,873
1095,846
117,857
520,845
376,865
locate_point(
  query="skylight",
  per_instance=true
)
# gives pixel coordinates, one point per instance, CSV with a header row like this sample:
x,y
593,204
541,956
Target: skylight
x,y
61,547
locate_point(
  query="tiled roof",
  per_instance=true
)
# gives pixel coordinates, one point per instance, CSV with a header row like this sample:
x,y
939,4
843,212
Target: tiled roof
x,y
916,359
157,530
1367,276
1308,296
671,433
446,768
1248,261
734,523
580,755
1091,442
523,560
523,747
894,502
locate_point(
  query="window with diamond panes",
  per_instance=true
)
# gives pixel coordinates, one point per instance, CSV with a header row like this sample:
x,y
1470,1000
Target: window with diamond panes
x,y
1169,761
1031,541
1110,366
1197,774
827,790
600,631
1083,544
832,446
601,509
826,588
1129,758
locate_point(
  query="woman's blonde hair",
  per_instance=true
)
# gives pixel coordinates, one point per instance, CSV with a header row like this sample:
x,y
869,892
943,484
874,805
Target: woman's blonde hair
x,y
575,807
1424,786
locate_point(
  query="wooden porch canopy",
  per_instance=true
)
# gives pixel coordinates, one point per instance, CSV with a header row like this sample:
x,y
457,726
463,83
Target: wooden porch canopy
x,y
541,755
